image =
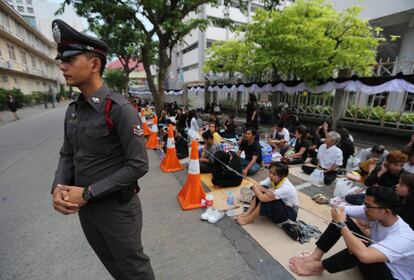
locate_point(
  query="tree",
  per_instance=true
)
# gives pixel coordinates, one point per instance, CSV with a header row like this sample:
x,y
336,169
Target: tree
x,y
307,40
123,42
161,23
114,78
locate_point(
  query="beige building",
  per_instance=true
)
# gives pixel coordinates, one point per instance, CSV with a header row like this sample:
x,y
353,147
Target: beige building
x,y
26,56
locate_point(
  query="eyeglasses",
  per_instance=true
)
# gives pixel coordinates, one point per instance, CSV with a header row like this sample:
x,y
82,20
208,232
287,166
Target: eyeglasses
x,y
367,206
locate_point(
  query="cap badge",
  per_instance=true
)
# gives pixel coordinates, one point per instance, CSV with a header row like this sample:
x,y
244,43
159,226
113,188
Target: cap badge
x,y
96,100
56,33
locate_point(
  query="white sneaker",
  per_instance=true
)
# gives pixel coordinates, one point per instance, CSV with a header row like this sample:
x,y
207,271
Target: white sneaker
x,y
207,213
216,216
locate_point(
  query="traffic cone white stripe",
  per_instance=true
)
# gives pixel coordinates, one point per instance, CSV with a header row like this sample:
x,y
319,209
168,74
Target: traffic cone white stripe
x,y
170,143
194,167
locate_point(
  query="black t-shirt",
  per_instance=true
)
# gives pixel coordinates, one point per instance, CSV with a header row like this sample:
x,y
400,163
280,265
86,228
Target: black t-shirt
x,y
231,127
302,144
407,213
347,147
181,120
252,150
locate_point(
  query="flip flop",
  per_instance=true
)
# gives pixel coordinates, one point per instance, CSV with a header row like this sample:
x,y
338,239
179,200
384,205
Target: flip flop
x,y
321,200
316,196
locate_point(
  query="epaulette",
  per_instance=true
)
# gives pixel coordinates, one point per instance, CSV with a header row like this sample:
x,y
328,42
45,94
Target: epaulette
x,y
111,98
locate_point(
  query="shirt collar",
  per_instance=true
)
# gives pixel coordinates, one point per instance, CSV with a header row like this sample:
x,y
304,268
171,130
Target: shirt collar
x,y
98,98
278,184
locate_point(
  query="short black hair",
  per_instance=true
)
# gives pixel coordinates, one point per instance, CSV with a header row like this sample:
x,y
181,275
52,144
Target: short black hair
x,y
280,124
378,149
281,169
100,57
385,197
207,135
252,129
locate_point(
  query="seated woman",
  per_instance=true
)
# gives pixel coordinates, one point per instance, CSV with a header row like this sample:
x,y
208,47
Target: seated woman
x,y
224,177
229,128
409,166
329,158
300,148
181,144
192,125
276,197
405,190
314,143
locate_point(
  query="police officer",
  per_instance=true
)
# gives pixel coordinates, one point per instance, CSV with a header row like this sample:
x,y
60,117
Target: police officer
x,y
101,158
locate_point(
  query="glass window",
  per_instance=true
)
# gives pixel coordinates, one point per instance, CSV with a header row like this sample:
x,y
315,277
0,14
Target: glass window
x,y
5,20
12,53
33,60
5,79
16,81
30,10
29,2
23,55
20,9
19,1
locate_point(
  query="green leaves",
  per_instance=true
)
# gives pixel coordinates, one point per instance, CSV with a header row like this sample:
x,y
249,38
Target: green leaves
x,y
308,40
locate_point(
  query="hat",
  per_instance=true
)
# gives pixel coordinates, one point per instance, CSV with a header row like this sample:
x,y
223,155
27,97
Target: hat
x,y
71,42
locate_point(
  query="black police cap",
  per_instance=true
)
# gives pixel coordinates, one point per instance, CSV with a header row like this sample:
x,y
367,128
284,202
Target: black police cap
x,y
71,42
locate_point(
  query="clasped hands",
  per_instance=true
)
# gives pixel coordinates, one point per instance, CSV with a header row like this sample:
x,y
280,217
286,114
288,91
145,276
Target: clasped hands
x,y
68,199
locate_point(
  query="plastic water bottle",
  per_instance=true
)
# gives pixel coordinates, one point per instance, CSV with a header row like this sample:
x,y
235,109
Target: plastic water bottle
x,y
230,202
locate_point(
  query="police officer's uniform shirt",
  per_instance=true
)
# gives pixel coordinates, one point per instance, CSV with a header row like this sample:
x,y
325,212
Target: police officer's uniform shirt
x,y
93,155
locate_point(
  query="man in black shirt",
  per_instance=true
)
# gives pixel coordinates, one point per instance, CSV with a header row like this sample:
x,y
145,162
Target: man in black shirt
x,y
253,151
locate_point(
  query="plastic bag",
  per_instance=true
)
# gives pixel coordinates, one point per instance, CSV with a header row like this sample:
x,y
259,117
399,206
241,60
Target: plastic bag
x,y
344,187
353,163
317,176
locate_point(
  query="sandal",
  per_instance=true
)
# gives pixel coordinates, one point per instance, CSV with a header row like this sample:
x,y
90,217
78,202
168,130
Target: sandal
x,y
321,200
316,196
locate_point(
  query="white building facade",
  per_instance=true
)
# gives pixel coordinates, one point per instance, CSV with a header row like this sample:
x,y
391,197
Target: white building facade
x,y
26,56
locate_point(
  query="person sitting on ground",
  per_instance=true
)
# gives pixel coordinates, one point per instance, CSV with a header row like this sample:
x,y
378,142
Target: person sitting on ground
x,y
385,174
253,152
213,130
181,145
388,172
181,118
229,127
368,160
405,189
213,119
170,117
314,142
329,158
409,166
280,138
148,112
276,198
224,177
217,109
346,145
208,152
323,130
192,125
389,256
300,149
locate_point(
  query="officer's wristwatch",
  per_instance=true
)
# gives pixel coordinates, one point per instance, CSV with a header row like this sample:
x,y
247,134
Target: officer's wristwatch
x,y
87,195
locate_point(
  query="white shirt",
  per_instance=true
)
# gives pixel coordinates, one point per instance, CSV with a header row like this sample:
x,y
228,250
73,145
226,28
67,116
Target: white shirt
x,y
328,157
193,130
286,191
365,154
172,119
396,242
285,134
408,167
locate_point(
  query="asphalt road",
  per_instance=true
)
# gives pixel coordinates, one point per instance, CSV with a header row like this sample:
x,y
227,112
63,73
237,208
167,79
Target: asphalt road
x,y
38,243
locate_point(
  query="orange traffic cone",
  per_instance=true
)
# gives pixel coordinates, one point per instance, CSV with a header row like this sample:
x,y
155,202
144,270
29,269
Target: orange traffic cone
x,y
170,162
144,123
192,192
152,142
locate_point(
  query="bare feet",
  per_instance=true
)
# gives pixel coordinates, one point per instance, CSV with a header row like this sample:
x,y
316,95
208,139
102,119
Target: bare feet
x,y
305,266
243,220
306,258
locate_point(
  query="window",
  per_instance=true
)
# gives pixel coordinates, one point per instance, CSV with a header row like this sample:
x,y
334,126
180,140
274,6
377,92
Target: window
x,y
33,60
30,10
29,2
210,43
190,67
4,79
20,9
16,81
5,19
23,55
19,1
190,48
12,53
20,30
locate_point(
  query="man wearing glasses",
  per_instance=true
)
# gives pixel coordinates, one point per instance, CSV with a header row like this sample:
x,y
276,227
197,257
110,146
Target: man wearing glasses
x,y
389,256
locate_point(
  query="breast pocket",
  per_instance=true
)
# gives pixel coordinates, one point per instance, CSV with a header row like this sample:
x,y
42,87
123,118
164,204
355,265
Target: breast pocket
x,y
98,141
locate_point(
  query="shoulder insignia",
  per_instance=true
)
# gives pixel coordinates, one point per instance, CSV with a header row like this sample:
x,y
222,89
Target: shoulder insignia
x,y
138,131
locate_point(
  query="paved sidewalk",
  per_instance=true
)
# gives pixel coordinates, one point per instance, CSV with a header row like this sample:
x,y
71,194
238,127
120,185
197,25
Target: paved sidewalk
x,y
29,111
